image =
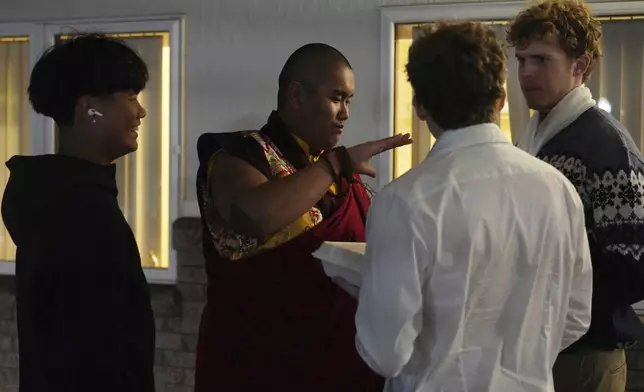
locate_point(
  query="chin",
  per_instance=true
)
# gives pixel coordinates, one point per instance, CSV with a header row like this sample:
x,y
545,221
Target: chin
x,y
130,147
533,104
539,107
324,145
333,141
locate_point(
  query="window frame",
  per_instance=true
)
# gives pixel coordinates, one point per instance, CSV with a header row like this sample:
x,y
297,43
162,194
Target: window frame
x,y
391,16
42,34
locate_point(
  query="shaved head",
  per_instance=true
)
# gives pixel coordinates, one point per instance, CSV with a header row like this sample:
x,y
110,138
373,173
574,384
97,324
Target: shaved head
x,y
315,89
309,66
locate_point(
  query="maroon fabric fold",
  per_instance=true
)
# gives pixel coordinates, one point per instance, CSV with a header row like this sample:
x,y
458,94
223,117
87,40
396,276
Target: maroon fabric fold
x,y
276,322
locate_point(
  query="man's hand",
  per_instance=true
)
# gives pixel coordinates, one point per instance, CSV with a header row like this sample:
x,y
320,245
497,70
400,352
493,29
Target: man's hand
x,y
361,153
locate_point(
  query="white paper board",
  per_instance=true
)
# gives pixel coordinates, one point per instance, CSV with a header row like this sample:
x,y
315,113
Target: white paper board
x,y
343,259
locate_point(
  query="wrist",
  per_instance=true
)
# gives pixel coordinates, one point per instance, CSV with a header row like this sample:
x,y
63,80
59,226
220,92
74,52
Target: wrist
x,y
335,162
345,163
332,164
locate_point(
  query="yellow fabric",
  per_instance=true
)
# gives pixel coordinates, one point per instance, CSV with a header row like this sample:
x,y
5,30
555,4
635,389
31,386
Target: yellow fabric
x,y
313,158
304,223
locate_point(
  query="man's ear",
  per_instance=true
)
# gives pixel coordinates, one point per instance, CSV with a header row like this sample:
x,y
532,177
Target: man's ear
x,y
501,102
581,65
86,108
296,95
420,110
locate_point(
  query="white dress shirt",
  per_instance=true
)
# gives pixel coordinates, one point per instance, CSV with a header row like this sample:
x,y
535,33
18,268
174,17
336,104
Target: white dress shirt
x,y
479,270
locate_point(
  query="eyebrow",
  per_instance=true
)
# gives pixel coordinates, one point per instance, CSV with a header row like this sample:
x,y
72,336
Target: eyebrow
x,y
343,94
517,55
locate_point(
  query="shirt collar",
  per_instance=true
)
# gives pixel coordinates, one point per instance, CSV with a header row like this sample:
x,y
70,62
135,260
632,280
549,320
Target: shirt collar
x,y
305,147
465,137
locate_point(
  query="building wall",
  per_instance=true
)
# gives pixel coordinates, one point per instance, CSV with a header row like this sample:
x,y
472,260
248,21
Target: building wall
x,y
234,51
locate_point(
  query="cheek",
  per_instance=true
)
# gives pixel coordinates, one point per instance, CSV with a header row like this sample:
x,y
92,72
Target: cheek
x,y
325,112
133,111
544,76
561,71
556,79
122,119
335,109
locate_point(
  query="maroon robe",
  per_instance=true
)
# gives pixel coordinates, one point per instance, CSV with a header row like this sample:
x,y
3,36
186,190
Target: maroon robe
x,y
276,322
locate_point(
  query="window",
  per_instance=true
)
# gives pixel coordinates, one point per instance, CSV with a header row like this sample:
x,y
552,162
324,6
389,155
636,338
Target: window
x,y
148,179
617,82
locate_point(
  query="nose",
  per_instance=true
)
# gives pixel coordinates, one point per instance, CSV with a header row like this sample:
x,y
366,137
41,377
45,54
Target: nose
x,y
142,112
343,114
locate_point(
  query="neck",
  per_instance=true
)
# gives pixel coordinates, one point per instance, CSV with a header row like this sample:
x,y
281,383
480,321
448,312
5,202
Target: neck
x,y
292,126
289,120
280,131
544,113
436,132
72,146
434,128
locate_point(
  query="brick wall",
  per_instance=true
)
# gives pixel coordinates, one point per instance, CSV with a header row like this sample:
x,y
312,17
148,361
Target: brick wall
x,y
177,310
8,336
635,360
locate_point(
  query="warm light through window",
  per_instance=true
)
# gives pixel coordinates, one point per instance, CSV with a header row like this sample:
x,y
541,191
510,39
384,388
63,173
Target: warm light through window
x,y
15,135
403,113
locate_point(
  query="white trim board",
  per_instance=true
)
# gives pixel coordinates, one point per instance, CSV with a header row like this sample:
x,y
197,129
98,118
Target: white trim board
x,y
190,209
7,268
390,16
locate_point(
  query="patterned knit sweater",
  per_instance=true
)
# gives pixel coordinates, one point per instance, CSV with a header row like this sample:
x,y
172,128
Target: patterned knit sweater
x,y
600,158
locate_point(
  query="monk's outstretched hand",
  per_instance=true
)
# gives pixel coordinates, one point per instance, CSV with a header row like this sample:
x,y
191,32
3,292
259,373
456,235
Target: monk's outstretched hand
x,y
362,153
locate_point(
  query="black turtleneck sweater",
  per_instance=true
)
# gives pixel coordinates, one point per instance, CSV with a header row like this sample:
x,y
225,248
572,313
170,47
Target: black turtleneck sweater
x,y
85,321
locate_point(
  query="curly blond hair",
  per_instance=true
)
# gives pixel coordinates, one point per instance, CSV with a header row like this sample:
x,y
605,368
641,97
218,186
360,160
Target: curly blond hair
x,y
457,70
570,21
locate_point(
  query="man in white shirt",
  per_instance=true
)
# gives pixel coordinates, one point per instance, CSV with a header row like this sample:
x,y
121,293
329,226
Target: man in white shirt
x,y
479,269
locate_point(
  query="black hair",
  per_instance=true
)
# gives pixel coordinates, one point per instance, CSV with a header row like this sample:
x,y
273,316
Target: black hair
x,y
84,64
306,65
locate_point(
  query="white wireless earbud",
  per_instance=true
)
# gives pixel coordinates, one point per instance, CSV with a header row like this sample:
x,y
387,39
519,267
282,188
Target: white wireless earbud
x,y
94,112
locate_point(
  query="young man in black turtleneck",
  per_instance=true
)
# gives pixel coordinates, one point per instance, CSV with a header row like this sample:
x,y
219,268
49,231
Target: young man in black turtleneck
x,y
84,316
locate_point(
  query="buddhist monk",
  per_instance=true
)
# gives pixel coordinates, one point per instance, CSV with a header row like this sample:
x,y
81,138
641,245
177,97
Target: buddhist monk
x,y
268,199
